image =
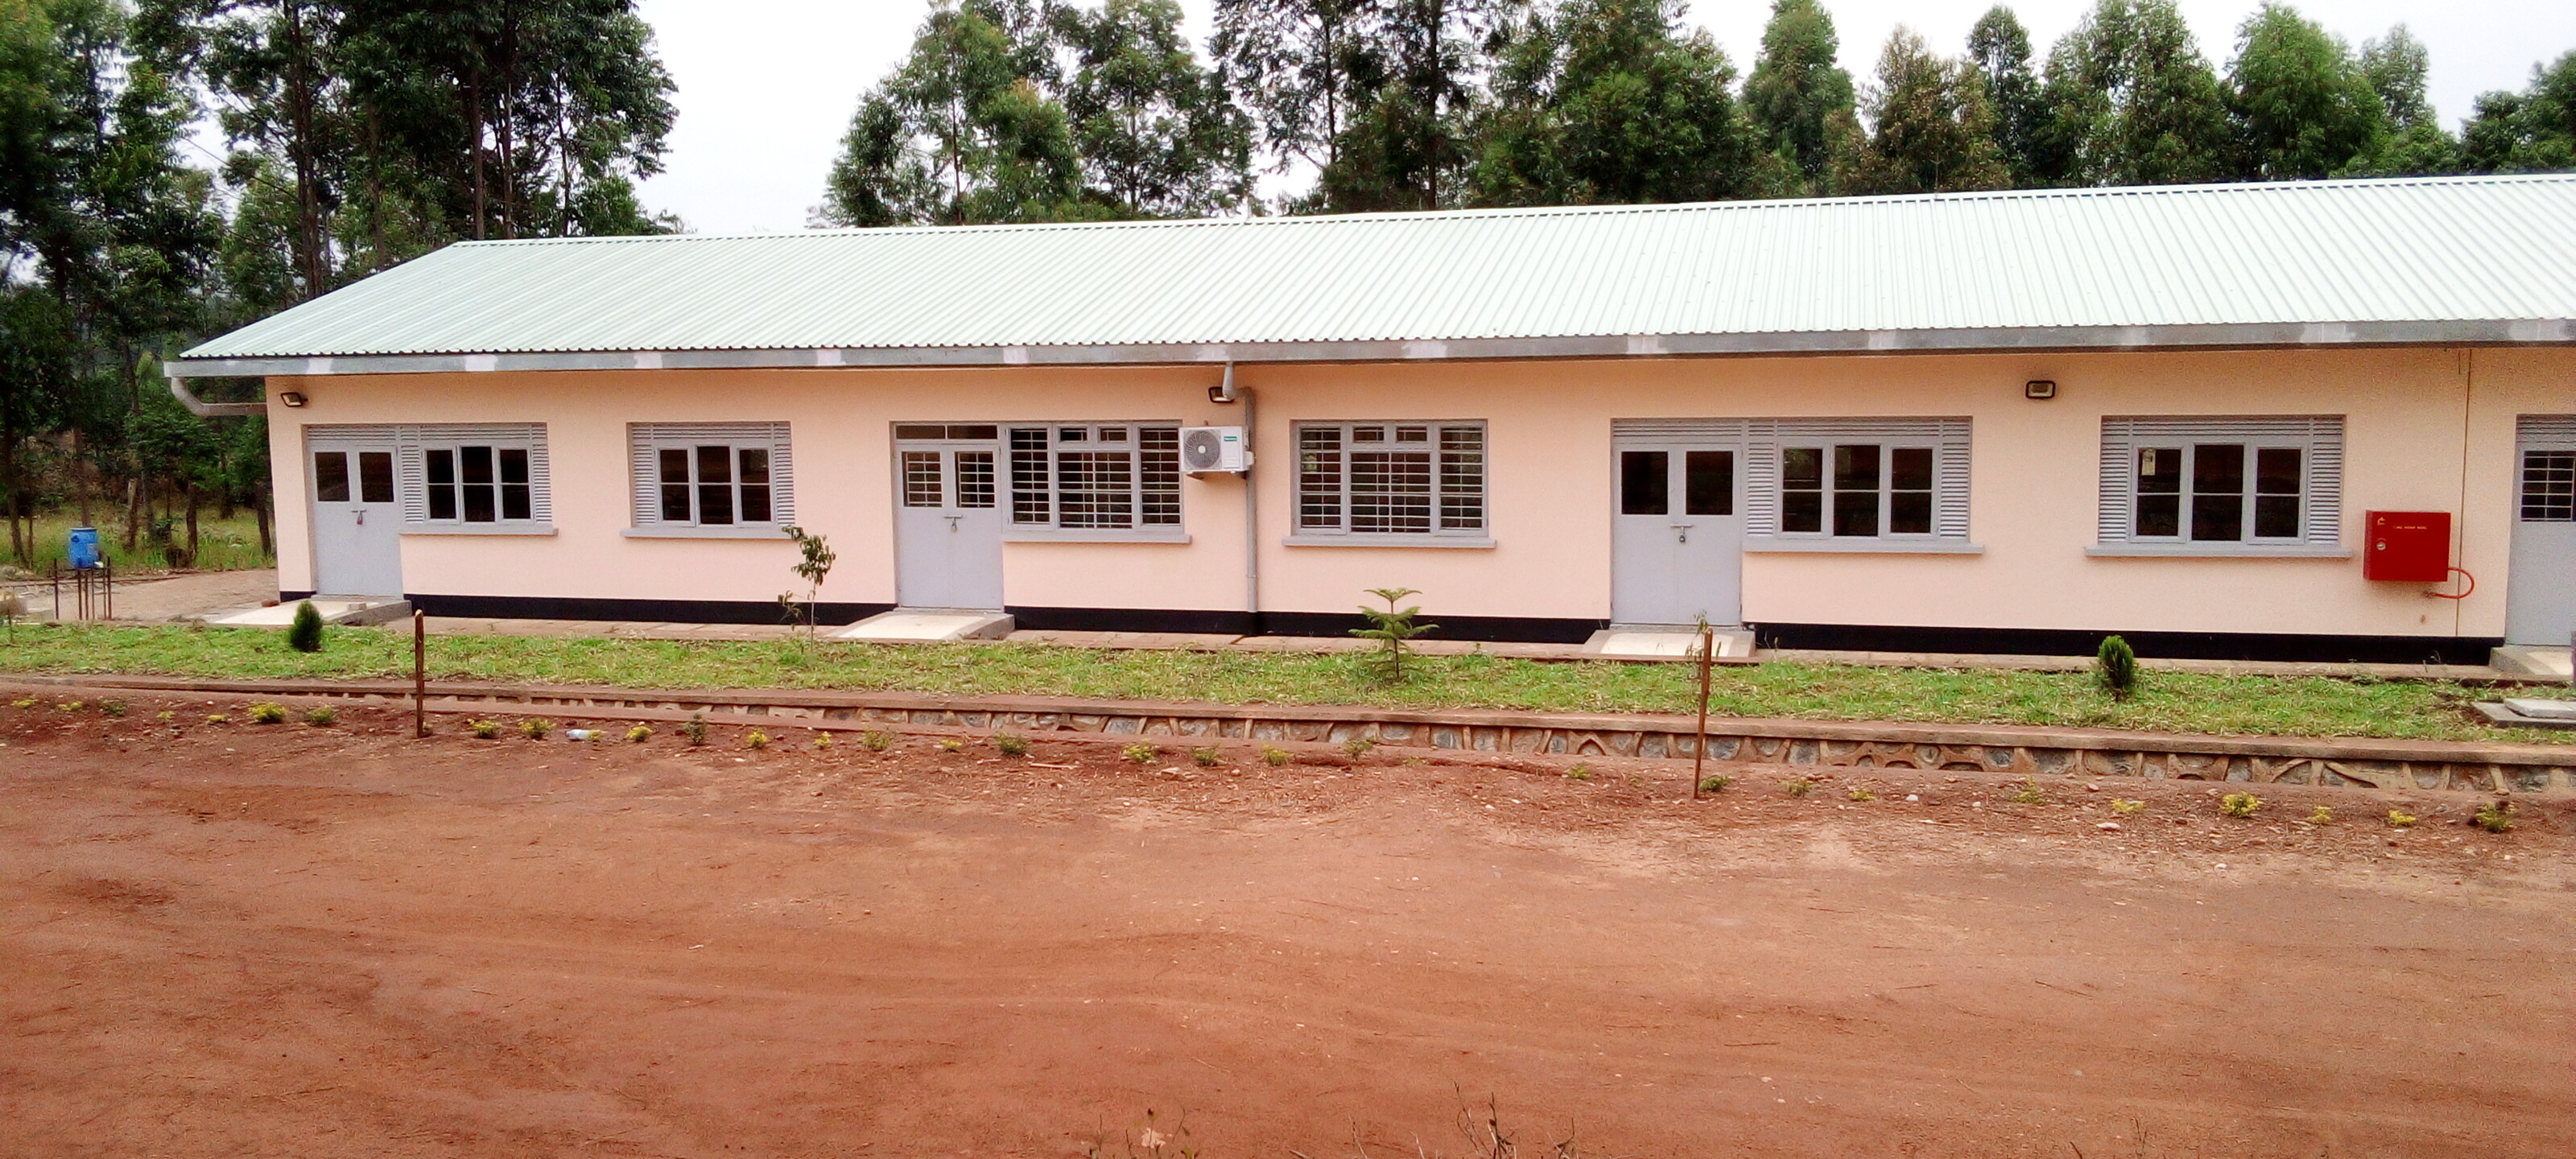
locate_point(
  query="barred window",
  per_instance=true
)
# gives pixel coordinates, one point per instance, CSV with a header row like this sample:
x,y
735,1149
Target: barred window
x,y
1095,477
2548,486
1391,479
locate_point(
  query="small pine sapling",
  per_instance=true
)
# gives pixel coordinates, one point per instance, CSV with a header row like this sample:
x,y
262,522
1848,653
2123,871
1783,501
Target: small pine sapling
x,y
2028,793
1863,795
822,740
1358,746
2116,666
321,715
755,739
2323,816
2124,808
1580,772
2400,819
1205,758
266,713
483,729
1010,745
536,727
2495,817
875,741
1715,783
1140,752
1798,788
112,707
695,728
950,744
1393,629
1274,756
305,634
640,733
2239,804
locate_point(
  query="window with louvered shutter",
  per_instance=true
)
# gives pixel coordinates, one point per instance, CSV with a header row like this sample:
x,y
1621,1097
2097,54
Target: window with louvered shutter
x,y
1856,484
2221,485
713,477
468,477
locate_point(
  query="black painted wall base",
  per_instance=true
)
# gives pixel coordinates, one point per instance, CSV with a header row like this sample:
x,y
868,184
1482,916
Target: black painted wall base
x,y
657,611
2323,649
1488,629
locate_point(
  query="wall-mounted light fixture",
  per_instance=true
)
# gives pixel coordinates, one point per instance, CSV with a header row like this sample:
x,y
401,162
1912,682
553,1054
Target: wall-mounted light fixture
x,y
290,399
2039,388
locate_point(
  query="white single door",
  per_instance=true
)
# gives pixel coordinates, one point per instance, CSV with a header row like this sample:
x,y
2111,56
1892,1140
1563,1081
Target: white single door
x,y
2540,599
948,527
1677,542
357,527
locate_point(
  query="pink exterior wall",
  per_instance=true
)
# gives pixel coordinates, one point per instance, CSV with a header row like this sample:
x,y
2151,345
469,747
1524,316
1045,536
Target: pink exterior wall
x,y
2425,430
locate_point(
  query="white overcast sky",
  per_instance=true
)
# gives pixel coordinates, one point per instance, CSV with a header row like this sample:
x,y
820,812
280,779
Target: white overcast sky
x,y
767,86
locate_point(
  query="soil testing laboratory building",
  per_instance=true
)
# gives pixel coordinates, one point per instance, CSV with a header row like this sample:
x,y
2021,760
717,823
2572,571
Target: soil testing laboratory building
x,y
2282,420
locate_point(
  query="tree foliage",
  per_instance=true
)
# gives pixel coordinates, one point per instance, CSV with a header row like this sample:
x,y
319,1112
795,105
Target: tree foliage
x,y
1799,99
1607,100
1931,128
2532,130
2302,104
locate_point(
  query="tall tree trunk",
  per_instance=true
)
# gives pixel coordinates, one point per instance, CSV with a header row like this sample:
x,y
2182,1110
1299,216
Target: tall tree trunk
x,y
192,524
310,255
259,511
474,125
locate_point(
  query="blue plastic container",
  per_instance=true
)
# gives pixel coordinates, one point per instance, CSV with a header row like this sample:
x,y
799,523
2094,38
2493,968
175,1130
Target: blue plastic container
x,y
84,548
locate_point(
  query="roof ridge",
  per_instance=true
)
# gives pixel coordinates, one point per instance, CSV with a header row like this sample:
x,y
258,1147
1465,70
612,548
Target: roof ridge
x,y
2236,188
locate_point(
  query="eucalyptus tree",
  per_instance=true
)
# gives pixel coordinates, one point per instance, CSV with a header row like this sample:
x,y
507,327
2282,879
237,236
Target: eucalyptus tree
x,y
1609,101
2133,102
1299,67
1999,48
957,134
2395,66
1931,129
1157,132
1800,99
1421,67
2302,105
2532,130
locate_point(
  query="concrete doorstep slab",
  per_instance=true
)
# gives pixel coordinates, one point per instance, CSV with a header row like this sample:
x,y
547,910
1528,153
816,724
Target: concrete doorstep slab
x,y
2530,712
2532,660
927,626
345,610
1618,642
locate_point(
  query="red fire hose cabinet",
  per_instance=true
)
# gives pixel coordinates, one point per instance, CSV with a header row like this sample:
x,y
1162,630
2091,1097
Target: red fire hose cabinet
x,y
2407,546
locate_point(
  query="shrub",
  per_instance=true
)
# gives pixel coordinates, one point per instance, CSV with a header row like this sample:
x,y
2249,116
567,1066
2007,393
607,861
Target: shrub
x,y
266,713
1580,772
2400,819
1358,746
695,728
1274,757
876,742
1206,758
1715,783
69,706
2495,817
2116,666
640,733
112,707
1799,787
2124,808
1863,795
321,715
2239,804
216,718
822,740
28,703
483,729
1392,629
755,739
2028,793
2323,816
1140,752
536,727
1010,744
305,634
951,744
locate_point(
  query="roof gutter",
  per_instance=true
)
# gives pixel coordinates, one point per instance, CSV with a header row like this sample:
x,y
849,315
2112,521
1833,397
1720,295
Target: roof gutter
x,y
211,410
2235,336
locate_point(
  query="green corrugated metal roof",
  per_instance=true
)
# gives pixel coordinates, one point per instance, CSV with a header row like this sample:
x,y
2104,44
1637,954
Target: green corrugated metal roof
x,y
2474,249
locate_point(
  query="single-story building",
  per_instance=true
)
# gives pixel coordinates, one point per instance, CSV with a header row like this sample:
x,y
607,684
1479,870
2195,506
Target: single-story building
x,y
2005,421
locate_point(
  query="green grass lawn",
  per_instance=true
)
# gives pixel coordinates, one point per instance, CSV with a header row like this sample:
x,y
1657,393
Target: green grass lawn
x,y
222,544
2169,702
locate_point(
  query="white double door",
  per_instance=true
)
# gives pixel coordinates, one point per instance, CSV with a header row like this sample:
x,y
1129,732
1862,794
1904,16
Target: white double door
x,y
357,525
2540,597
948,518
1677,538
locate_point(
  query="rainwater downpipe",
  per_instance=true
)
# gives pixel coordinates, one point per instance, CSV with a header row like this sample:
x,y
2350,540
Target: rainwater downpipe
x,y
1251,511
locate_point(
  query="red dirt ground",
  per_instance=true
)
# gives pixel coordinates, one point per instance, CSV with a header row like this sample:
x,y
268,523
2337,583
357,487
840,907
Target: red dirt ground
x,y
232,939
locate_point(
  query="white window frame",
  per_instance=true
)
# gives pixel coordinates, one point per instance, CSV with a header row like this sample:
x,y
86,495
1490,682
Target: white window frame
x,y
1456,493
1772,447
414,446
1142,507
2317,439
647,442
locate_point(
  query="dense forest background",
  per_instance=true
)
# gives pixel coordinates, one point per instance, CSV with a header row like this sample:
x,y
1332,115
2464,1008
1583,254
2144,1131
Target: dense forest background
x,y
361,133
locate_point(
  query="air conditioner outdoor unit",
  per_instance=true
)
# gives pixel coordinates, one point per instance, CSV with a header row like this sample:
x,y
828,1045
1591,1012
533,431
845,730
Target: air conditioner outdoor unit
x,y
1214,450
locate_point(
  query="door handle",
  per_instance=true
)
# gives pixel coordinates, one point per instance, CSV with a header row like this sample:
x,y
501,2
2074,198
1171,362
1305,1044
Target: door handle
x,y
362,517
1684,530
952,522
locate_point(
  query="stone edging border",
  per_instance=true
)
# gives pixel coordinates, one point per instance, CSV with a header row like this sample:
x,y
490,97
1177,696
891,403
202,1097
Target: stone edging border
x,y
2015,749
